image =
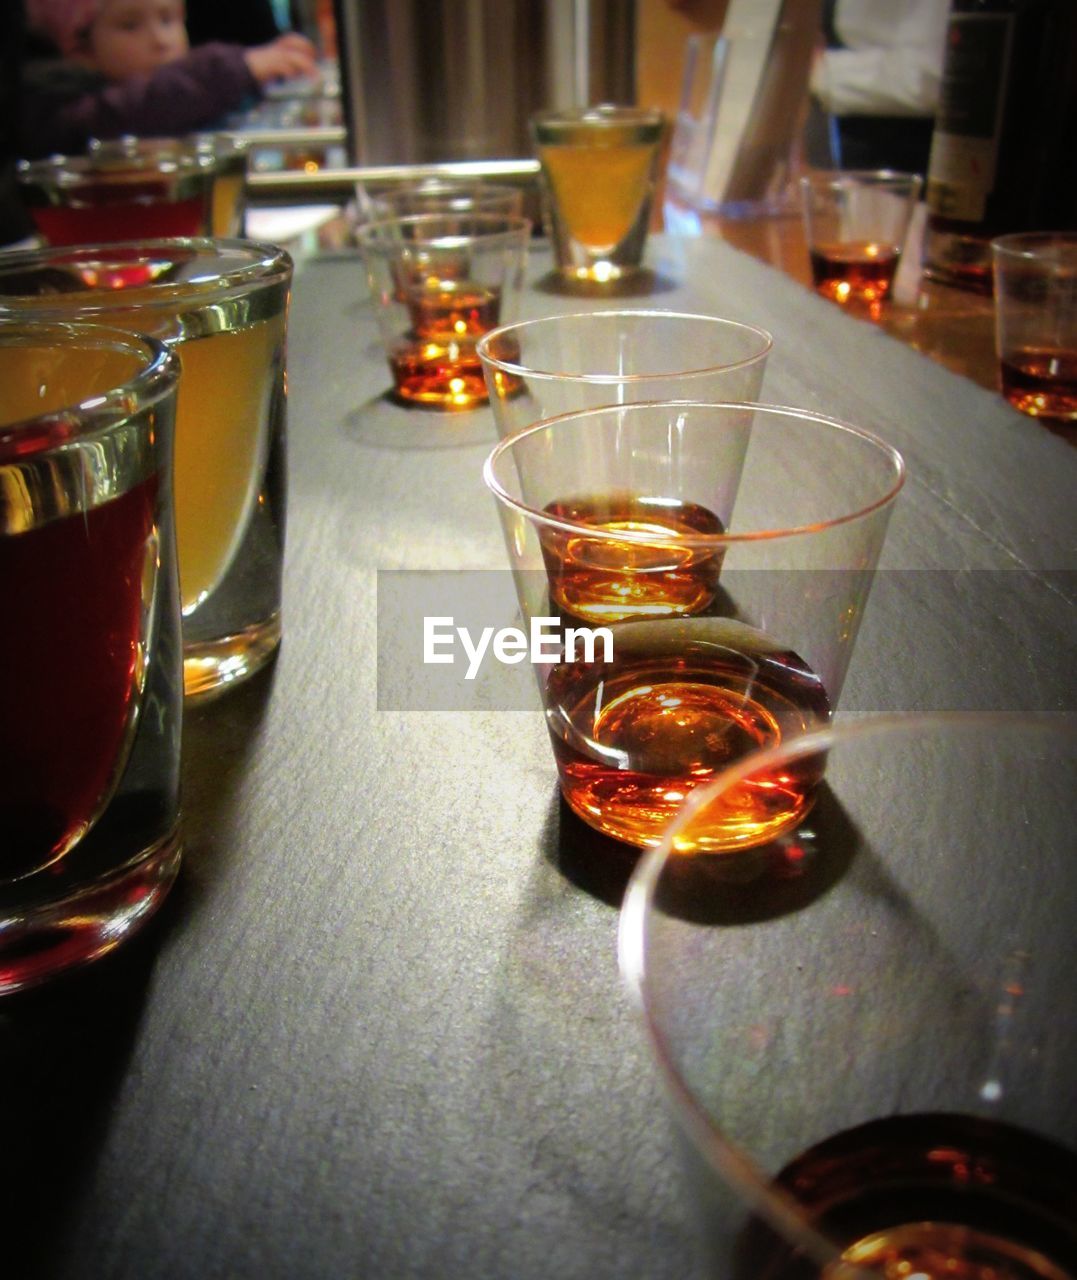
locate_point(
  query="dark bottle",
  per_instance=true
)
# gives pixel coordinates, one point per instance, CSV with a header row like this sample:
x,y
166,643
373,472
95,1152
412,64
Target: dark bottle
x,y
1004,151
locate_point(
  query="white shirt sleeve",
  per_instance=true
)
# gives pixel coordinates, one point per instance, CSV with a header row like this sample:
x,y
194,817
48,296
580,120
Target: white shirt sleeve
x,y
892,63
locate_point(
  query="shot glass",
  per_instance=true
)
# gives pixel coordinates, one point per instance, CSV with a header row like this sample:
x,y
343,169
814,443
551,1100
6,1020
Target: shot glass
x,y
411,199
222,305
89,200
869,1048
91,689
441,281
599,165
541,368
226,153
708,566
855,224
1036,322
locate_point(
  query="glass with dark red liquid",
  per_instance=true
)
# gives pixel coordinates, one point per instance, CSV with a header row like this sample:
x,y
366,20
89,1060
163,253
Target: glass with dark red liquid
x,y
105,199
90,677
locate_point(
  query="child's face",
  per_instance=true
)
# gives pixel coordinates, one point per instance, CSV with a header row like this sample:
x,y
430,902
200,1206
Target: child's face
x,y
133,37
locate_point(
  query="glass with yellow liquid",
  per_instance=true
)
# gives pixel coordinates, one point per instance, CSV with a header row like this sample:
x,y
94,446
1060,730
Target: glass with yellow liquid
x,y
599,165
222,306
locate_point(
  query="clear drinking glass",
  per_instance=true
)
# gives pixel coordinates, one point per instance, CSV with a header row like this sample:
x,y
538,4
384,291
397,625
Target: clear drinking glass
x,y
600,165
96,199
856,223
1036,322
222,305
728,551
541,368
441,281
867,1032
91,685
409,199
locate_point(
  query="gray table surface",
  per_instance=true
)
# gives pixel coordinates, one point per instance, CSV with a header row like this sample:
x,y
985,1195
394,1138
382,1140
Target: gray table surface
x,y
378,1029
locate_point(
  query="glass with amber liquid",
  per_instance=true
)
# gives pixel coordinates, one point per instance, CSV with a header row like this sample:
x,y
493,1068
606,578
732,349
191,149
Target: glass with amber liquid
x,y
222,306
440,282
663,524
599,166
856,223
1036,323
868,1030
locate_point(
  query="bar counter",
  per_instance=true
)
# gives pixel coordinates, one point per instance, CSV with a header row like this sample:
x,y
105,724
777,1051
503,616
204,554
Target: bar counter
x,y
378,1030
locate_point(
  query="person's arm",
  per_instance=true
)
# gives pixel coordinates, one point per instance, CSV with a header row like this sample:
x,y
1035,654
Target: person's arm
x,y
178,98
892,64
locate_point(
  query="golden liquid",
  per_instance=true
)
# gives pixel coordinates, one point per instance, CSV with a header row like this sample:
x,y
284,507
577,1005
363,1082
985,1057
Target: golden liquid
x,y
221,419
598,189
227,193
44,379
941,1251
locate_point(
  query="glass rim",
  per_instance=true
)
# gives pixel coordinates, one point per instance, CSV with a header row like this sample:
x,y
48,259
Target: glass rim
x,y
493,228
253,263
579,529
1024,244
733,1161
601,113
155,378
616,379
822,179
69,173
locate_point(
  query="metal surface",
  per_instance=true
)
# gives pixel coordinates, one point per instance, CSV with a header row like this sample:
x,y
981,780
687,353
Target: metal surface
x,y
294,187
434,80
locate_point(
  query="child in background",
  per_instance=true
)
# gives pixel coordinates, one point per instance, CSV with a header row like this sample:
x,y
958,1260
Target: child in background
x,y
125,67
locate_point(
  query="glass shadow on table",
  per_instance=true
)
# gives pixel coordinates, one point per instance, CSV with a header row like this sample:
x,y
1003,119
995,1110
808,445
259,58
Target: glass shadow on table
x,y
770,880
644,284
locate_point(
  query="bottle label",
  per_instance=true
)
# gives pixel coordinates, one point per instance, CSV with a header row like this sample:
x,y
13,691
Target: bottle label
x,y
964,146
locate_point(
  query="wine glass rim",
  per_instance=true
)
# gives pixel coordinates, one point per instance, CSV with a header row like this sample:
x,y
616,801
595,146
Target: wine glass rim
x,y
515,369
578,528
730,1160
488,229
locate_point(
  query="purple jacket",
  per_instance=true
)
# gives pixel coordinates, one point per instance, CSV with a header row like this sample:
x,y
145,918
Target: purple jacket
x,y
64,105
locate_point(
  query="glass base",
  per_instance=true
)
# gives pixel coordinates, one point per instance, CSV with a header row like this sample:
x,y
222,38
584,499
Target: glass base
x,y
601,271
212,666
45,940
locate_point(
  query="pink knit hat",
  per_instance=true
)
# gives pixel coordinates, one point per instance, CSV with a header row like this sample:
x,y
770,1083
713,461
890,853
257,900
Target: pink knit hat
x,y
62,21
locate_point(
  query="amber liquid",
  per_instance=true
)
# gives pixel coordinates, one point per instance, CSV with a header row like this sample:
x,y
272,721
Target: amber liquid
x,y
435,363
860,275
599,190
649,573
220,444
683,699
931,1197
1042,383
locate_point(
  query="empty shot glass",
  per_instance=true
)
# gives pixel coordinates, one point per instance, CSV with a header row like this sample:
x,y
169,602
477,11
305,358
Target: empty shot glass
x,y
109,198
222,305
708,566
599,165
1036,322
91,686
440,282
538,369
856,223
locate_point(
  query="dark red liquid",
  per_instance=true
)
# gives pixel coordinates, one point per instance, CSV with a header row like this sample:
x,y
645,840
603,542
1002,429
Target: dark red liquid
x,y
106,223
69,646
